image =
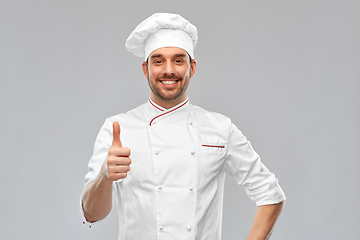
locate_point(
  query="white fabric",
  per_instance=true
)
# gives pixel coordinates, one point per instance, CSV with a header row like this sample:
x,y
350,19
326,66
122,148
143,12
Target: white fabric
x,y
175,187
179,32
169,38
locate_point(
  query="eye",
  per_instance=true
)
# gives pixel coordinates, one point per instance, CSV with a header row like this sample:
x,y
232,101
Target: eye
x,y
157,61
179,60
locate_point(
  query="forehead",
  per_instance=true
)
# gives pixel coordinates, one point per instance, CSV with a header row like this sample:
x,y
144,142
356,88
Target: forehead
x,y
168,52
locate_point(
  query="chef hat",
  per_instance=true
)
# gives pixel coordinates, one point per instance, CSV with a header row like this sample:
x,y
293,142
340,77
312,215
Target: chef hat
x,y
162,30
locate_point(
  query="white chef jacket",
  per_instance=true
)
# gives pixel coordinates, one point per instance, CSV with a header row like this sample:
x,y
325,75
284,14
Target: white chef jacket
x,y
175,187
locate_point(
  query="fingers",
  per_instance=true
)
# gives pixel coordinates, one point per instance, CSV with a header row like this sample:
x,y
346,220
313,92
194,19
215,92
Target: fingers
x,y
119,151
118,167
118,161
116,176
116,135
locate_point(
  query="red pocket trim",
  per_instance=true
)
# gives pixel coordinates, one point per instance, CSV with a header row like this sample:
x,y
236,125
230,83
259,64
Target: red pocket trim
x,y
214,146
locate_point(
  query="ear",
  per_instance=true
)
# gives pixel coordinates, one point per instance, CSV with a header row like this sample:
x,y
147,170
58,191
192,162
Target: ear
x,y
145,70
193,68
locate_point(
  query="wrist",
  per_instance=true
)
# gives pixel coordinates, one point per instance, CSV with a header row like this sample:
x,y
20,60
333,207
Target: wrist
x,y
103,180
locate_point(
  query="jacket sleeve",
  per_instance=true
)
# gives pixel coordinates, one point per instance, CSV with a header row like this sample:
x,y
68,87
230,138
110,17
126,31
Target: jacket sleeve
x,y
246,167
101,147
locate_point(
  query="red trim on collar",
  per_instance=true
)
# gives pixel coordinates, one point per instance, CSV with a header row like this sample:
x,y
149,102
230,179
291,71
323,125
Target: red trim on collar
x,y
168,111
155,106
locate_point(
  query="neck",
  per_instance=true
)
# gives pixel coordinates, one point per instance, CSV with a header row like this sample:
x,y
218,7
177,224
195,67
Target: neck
x,y
167,104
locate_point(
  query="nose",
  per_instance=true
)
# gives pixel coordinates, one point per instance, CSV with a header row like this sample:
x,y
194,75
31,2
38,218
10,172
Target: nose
x,y
169,68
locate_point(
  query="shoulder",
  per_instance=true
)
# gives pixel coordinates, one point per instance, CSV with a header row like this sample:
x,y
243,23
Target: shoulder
x,y
208,115
131,115
130,118
211,119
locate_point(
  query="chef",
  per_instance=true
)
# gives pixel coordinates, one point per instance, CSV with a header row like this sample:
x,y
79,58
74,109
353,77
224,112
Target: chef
x,y
178,153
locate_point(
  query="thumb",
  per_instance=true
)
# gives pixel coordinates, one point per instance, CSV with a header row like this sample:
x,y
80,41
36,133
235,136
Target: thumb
x,y
116,135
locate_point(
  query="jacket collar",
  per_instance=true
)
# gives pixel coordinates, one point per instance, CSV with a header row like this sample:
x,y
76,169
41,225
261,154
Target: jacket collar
x,y
158,111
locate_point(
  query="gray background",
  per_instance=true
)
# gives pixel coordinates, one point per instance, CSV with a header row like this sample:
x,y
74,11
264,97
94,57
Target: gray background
x,y
286,72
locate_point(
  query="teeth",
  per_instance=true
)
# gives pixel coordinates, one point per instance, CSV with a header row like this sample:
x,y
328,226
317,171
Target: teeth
x,y
169,82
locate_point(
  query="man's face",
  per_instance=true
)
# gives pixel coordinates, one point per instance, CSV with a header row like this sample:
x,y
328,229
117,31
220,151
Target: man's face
x,y
168,71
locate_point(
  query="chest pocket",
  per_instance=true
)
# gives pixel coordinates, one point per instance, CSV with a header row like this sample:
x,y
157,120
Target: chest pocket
x,y
211,158
213,147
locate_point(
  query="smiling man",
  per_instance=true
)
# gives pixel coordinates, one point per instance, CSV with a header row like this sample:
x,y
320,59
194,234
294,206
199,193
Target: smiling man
x,y
179,152
168,71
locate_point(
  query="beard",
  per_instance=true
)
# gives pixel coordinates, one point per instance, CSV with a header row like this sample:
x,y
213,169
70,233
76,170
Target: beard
x,y
168,95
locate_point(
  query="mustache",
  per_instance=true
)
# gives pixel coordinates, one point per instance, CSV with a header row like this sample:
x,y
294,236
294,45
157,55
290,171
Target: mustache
x,y
170,77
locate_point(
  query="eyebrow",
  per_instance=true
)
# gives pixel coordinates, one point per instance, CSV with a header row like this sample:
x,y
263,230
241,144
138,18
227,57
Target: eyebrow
x,y
182,55
155,56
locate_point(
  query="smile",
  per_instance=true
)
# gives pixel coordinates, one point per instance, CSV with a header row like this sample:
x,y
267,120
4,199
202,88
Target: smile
x,y
169,82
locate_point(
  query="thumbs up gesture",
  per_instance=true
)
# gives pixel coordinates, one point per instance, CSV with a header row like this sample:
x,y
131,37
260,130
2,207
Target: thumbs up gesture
x,y
117,164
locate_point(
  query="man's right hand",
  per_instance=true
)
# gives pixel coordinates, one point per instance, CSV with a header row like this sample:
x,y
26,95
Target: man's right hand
x,y
117,164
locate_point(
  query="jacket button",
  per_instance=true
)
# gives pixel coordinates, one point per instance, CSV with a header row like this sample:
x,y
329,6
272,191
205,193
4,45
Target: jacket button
x,y
159,187
191,188
161,227
189,228
192,153
156,153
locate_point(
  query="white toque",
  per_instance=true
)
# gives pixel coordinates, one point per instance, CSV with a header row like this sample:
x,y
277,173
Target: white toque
x,y
162,30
